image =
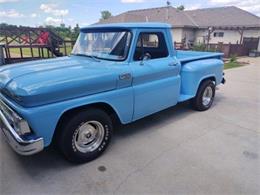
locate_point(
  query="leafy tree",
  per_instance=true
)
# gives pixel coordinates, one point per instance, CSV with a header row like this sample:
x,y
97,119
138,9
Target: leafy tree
x,y
105,15
75,32
62,25
3,25
181,7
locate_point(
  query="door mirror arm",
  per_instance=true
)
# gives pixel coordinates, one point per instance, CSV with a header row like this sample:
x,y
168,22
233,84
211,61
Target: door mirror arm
x,y
147,56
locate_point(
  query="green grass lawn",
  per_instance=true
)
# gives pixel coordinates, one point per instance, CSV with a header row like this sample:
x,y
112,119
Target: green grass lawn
x,y
69,49
234,64
15,52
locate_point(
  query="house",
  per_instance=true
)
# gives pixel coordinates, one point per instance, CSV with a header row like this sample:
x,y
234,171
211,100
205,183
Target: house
x,y
222,25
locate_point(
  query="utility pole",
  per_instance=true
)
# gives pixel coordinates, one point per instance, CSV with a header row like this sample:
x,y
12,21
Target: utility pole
x,y
167,10
210,30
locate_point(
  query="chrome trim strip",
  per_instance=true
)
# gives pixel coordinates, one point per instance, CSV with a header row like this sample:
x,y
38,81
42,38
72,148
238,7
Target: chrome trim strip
x,y
20,145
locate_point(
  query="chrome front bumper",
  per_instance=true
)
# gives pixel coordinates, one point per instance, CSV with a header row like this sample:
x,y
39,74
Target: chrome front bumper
x,y
23,146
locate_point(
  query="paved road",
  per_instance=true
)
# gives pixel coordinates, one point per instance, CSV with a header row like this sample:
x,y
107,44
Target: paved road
x,y
175,151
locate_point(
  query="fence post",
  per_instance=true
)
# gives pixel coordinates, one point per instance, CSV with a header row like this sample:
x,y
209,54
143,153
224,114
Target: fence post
x,y
31,51
2,56
21,52
42,52
39,52
65,49
229,49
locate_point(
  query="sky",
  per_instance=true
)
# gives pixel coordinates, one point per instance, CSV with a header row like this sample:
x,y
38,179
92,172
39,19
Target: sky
x,y
86,12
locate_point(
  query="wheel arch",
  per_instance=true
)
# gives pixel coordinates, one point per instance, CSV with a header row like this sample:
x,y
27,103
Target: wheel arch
x,y
209,77
197,101
98,105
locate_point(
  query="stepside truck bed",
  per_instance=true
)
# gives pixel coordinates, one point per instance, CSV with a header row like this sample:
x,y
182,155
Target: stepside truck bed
x,y
195,67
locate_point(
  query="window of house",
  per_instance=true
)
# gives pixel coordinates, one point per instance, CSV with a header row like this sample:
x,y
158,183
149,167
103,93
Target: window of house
x,y
152,44
218,34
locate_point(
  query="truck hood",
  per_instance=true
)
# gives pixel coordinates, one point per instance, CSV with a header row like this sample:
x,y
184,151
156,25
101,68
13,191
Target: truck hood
x,y
40,82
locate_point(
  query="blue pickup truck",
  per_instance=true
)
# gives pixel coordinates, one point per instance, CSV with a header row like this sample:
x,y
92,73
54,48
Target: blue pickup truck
x,y
115,73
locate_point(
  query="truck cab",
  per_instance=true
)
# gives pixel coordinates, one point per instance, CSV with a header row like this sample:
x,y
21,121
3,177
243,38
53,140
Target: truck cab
x,y
116,73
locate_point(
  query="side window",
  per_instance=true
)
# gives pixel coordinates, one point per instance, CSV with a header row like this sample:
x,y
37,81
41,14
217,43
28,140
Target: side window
x,y
151,45
218,34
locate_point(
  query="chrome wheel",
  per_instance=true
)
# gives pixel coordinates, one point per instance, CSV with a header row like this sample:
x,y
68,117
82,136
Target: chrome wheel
x,y
207,96
89,136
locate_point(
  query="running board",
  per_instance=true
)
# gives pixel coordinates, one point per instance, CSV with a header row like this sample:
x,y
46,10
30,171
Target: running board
x,y
183,97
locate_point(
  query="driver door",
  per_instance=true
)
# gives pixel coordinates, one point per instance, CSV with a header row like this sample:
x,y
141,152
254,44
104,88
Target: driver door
x,y
156,79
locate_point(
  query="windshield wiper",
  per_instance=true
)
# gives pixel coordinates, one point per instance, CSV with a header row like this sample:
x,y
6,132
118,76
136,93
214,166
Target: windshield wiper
x,y
94,58
89,56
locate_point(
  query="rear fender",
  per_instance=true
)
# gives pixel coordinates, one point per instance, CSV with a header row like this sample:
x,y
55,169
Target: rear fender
x,y
193,73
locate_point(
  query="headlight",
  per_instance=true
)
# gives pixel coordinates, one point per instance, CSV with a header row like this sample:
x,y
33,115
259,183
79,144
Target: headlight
x,y
17,122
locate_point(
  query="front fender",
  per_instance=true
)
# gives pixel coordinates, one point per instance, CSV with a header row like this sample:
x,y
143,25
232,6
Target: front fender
x,y
44,119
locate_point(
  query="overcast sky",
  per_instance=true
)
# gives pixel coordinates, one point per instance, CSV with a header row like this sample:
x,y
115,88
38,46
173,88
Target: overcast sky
x,y
85,12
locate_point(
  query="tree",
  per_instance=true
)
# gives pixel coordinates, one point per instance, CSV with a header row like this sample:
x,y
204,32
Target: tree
x,y
62,25
75,32
181,7
105,15
76,29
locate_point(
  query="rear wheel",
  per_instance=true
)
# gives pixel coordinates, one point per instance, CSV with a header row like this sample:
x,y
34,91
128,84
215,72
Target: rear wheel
x,y
85,136
205,96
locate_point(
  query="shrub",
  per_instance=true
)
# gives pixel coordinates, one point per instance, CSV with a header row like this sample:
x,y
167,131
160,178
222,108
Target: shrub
x,y
199,47
233,58
212,49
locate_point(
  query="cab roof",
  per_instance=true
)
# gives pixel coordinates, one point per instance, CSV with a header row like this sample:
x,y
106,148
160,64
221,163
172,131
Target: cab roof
x,y
127,26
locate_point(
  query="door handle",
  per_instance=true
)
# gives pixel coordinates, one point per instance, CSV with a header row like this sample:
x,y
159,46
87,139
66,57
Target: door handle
x,y
173,63
125,76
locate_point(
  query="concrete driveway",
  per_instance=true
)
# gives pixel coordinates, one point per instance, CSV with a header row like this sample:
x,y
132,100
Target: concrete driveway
x,y
177,151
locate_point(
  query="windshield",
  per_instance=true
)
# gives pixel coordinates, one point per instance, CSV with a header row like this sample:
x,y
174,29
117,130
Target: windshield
x,y
112,45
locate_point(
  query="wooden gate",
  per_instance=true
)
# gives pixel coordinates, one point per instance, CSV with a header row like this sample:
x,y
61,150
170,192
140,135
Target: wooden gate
x,y
25,43
249,44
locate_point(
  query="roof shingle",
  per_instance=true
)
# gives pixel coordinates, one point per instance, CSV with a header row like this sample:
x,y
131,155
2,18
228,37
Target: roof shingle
x,y
224,17
200,18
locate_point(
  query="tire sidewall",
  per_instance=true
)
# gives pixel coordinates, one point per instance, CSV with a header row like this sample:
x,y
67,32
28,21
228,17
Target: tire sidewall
x,y
71,129
207,84
198,100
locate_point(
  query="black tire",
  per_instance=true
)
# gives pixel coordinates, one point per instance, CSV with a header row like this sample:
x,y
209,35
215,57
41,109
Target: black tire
x,y
69,132
197,101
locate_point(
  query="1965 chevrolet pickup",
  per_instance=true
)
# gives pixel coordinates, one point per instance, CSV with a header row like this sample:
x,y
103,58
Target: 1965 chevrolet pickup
x,y
116,73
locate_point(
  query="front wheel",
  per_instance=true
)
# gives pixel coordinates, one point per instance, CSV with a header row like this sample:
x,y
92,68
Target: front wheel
x,y
205,96
85,136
